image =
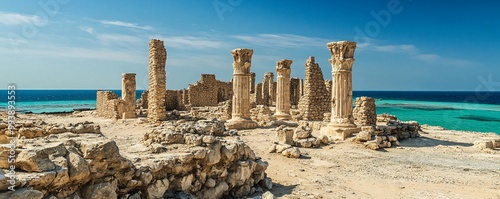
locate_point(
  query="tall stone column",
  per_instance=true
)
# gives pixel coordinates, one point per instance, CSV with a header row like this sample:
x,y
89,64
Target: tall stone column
x,y
342,121
157,81
241,90
129,94
283,89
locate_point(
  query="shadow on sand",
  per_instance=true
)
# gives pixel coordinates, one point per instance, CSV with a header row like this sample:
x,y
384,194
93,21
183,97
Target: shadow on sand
x,y
281,190
431,142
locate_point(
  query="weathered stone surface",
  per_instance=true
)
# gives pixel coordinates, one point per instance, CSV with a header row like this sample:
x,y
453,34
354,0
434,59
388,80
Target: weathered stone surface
x,y
209,91
293,152
365,112
316,99
23,193
268,195
302,132
283,90
484,144
342,121
285,135
241,89
157,81
100,191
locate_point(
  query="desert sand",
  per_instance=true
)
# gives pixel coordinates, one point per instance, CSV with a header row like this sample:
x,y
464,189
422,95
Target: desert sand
x,y
440,164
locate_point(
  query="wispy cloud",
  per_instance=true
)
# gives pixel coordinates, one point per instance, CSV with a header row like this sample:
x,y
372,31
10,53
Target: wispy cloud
x,y
190,42
119,38
282,40
397,48
87,29
414,53
13,19
125,24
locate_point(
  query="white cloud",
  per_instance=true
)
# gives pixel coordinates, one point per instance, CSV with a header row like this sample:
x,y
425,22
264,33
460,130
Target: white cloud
x,y
283,40
12,19
119,38
125,24
397,48
190,42
87,29
436,59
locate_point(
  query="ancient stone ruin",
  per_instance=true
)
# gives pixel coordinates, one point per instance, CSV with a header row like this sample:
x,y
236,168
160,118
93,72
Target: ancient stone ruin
x,y
296,91
342,121
108,105
157,81
365,112
316,99
209,91
241,90
283,90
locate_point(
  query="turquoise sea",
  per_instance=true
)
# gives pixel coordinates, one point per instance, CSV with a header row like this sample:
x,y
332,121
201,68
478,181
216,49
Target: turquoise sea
x,y
469,111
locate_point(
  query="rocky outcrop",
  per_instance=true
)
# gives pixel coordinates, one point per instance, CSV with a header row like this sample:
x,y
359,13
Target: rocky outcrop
x,y
196,160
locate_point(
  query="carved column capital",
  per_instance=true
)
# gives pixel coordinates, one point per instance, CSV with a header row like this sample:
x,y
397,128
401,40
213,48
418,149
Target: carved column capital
x,y
242,60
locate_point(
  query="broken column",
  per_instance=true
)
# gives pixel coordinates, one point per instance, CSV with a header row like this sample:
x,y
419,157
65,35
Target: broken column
x,y
128,95
283,90
267,88
241,90
157,81
342,121
365,113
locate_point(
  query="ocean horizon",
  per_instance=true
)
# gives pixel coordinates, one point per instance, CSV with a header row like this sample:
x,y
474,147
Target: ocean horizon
x,y
477,111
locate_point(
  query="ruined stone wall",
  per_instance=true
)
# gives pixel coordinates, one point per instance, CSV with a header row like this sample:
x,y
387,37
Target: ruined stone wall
x,y
258,94
295,91
157,81
315,101
209,91
108,105
171,100
365,113
143,100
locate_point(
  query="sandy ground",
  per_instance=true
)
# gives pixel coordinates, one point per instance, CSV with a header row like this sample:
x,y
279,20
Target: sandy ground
x,y
440,164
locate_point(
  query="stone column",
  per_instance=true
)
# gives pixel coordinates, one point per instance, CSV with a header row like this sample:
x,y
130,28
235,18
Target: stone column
x,y
283,90
129,94
241,90
157,81
342,121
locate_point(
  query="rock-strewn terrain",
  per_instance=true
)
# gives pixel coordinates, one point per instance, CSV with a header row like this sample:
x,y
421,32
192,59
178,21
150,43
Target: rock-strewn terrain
x,y
130,159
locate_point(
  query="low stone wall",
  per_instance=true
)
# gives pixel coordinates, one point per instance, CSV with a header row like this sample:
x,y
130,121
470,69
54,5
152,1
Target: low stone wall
x,y
108,105
365,113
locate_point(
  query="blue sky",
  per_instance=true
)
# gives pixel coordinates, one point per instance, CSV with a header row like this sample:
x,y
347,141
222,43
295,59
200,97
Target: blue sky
x,y
402,44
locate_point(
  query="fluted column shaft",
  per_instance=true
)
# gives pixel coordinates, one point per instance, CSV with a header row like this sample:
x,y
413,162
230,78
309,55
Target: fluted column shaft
x,y
283,89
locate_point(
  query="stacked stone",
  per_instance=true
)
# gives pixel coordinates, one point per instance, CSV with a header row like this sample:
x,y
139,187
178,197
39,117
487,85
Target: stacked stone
x,y
315,101
157,81
290,139
108,105
365,113
128,95
209,91
295,91
142,103
252,83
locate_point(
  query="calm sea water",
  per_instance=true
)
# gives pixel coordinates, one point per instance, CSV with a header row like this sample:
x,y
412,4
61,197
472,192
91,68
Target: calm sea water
x,y
470,111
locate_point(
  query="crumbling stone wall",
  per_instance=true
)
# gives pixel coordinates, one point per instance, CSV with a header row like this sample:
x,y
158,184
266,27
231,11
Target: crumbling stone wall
x,y
157,81
209,91
268,90
295,91
316,99
108,105
142,103
365,113
128,95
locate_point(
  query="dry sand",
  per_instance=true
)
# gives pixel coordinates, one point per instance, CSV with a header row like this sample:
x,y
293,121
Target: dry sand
x,y
440,164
